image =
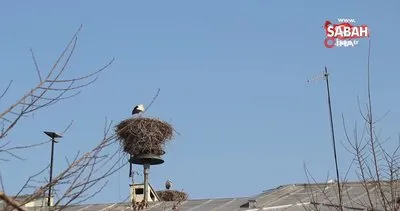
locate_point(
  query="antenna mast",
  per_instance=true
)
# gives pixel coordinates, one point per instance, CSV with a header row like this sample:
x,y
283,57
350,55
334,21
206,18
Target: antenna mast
x,y
326,78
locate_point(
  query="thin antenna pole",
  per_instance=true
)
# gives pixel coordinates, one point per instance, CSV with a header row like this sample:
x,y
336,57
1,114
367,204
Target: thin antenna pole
x,y
326,74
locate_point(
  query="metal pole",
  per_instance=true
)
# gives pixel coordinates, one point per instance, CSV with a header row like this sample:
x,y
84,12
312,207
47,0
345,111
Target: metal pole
x,y
130,166
146,169
333,138
51,171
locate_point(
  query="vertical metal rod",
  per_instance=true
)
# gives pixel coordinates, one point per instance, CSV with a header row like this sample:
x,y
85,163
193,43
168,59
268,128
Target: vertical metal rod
x,y
146,168
333,138
130,166
51,171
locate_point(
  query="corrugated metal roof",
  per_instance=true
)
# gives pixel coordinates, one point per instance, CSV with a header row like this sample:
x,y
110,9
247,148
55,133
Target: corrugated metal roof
x,y
284,198
197,205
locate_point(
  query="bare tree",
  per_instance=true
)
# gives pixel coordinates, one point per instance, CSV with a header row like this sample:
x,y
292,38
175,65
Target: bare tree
x,y
87,172
50,89
376,166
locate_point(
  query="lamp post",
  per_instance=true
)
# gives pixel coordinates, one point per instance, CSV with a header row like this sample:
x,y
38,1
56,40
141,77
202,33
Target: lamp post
x,y
53,137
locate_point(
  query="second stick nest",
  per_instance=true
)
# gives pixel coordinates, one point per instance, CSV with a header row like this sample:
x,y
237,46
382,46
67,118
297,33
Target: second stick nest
x,y
144,135
172,195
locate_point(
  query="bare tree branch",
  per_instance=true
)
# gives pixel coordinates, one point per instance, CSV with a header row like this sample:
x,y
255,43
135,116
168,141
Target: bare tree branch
x,y
5,91
45,93
36,65
11,202
376,166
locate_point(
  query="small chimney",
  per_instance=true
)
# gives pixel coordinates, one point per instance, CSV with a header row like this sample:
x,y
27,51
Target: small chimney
x,y
252,203
137,193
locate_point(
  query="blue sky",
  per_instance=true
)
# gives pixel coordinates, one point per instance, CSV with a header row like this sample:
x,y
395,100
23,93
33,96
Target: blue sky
x,y
232,76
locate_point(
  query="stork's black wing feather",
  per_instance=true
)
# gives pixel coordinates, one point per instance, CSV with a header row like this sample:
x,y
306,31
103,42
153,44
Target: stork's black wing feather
x,y
134,111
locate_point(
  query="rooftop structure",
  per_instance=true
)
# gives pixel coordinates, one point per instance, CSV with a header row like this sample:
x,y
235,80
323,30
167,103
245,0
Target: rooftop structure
x,y
296,197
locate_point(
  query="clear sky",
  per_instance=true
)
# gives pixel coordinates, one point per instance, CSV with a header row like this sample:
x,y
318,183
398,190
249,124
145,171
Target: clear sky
x,y
232,76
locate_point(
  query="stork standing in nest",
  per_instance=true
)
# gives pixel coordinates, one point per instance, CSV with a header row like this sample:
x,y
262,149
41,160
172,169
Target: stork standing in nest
x,y
138,109
168,184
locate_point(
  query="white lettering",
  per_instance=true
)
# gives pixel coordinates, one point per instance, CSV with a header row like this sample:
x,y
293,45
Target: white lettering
x,y
354,32
339,43
346,20
346,31
338,32
345,43
364,31
331,33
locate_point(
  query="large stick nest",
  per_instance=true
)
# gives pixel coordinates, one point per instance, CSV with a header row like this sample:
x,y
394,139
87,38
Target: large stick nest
x,y
172,195
144,135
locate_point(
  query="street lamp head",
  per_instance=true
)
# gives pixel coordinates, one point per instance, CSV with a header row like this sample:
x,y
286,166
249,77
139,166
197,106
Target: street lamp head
x,y
52,135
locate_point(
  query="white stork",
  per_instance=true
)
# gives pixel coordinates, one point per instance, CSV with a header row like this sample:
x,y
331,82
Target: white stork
x,y
168,184
138,109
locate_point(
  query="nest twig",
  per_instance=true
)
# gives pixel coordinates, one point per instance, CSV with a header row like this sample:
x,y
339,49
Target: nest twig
x,y
144,135
172,195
